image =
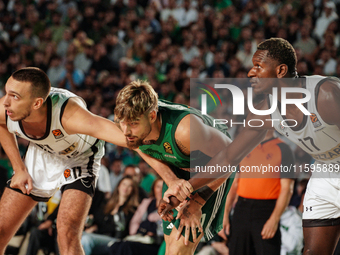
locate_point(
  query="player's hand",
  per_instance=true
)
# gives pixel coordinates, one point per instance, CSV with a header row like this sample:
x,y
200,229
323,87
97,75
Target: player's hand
x,y
269,228
224,233
190,215
179,188
165,209
23,181
47,225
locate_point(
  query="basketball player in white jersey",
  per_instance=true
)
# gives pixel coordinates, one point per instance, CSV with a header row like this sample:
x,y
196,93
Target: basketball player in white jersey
x,y
64,152
317,134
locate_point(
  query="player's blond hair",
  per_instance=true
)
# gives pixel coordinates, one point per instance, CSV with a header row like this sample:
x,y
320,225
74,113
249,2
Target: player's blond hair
x,y
134,100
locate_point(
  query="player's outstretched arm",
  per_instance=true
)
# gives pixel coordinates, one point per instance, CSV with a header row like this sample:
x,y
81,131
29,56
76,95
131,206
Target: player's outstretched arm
x,y
78,120
194,135
21,180
232,154
180,187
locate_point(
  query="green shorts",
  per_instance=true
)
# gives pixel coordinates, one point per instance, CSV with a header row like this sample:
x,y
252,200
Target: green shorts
x,y
212,212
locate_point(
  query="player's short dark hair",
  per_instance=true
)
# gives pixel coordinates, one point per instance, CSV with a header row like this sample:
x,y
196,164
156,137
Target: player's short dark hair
x,y
40,83
282,51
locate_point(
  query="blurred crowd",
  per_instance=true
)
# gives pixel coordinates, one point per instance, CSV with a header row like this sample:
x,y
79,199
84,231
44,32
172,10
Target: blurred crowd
x,y
95,47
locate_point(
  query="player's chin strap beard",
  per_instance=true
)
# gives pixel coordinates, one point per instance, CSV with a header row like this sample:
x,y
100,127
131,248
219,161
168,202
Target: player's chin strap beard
x,y
148,142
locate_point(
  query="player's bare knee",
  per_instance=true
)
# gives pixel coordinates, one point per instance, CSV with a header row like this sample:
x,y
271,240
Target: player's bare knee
x,y
67,235
4,236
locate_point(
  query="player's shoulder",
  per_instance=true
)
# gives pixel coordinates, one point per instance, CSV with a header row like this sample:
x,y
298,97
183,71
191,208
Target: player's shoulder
x,y
71,106
188,123
329,92
329,86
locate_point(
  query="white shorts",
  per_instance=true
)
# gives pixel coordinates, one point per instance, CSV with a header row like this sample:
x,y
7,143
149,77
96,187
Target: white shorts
x,y
50,172
322,202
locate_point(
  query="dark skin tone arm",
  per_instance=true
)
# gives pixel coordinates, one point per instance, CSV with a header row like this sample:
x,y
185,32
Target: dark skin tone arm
x,y
243,144
329,102
249,138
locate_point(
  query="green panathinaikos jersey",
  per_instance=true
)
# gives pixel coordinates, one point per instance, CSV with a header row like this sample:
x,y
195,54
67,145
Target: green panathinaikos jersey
x,y
165,148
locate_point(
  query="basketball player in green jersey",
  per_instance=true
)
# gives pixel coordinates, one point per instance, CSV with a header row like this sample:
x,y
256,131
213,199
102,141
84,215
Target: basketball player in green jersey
x,y
179,136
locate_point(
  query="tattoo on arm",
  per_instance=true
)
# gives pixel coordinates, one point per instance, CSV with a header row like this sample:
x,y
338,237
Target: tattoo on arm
x,y
198,202
186,213
182,148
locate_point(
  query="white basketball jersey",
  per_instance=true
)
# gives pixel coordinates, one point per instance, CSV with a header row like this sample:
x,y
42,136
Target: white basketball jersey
x,y
56,141
317,138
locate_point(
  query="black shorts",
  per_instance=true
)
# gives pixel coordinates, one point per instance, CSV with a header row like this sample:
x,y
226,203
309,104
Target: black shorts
x,y
86,185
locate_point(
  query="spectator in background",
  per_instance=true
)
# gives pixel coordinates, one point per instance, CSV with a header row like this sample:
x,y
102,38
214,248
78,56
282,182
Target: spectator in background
x,y
71,79
103,183
116,49
44,236
327,16
135,173
189,50
153,24
116,173
100,59
306,43
84,60
162,63
38,61
55,70
168,11
291,231
81,41
219,63
112,223
166,92
146,233
57,27
186,15
137,51
140,73
329,64
27,38
64,43
246,55
148,176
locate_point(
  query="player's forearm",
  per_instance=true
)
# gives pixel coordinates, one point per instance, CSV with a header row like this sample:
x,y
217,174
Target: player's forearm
x,y
207,178
162,169
10,146
228,158
206,191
